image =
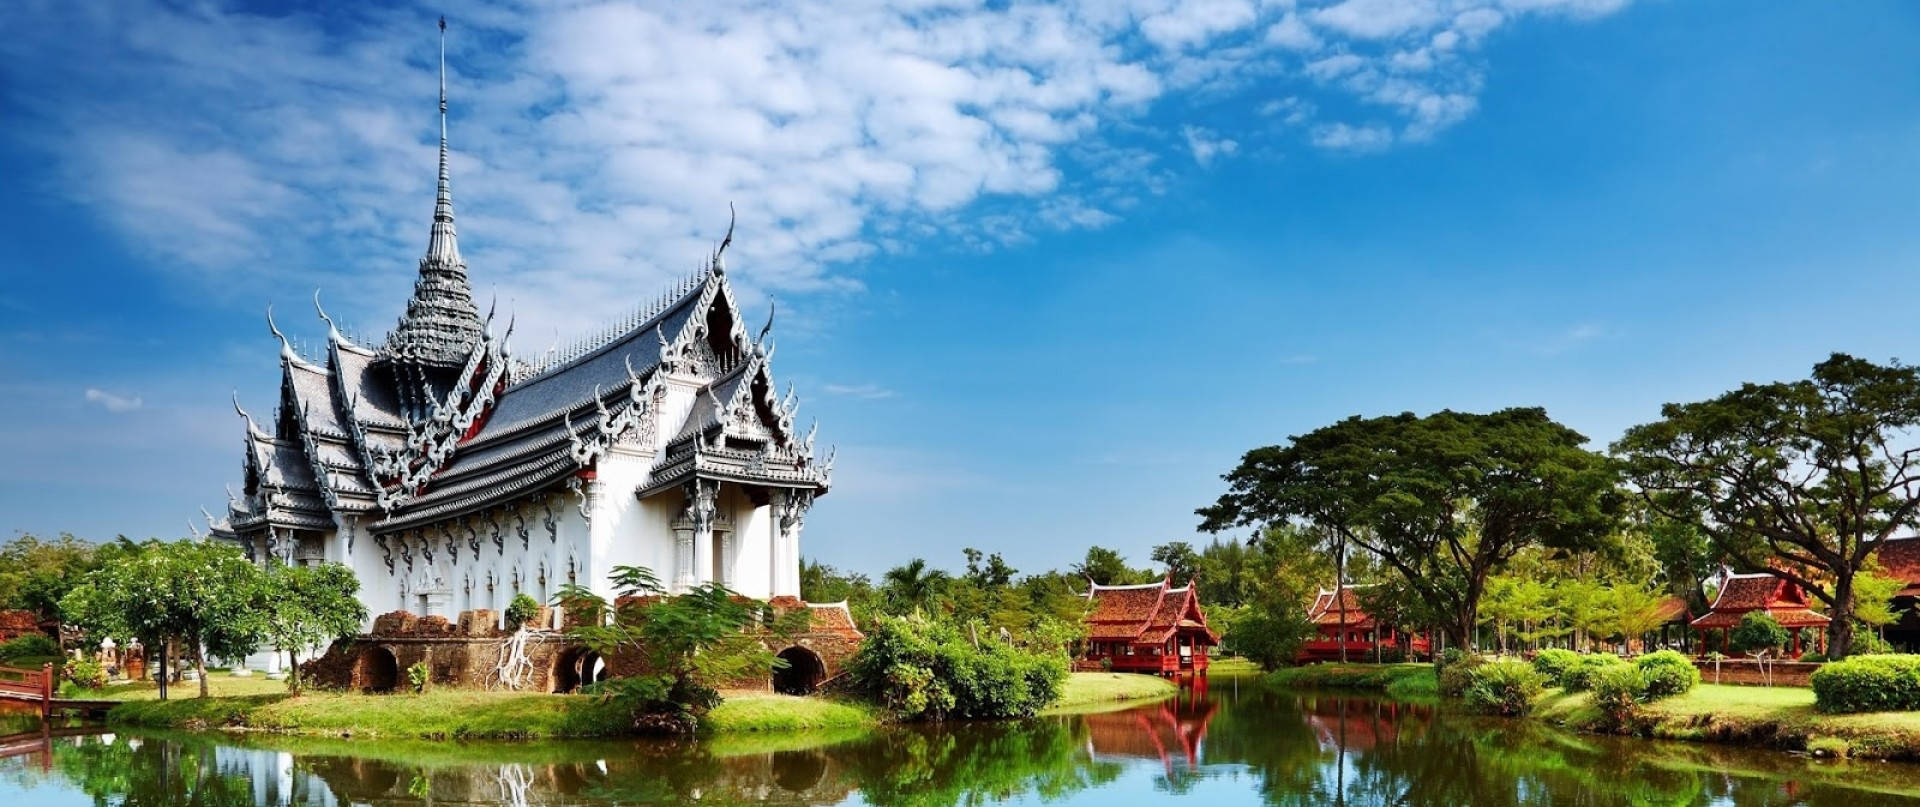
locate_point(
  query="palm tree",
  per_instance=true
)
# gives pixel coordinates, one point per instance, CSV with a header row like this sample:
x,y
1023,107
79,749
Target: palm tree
x,y
913,586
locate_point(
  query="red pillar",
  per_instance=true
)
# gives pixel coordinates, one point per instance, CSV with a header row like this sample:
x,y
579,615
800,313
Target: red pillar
x,y
46,691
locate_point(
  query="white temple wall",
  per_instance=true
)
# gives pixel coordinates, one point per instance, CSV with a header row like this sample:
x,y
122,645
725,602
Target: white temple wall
x,y
752,563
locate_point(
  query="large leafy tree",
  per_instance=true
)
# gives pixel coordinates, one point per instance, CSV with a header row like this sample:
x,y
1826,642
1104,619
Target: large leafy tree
x,y
1806,478
1179,558
1444,500
35,573
1108,568
912,587
201,594
306,606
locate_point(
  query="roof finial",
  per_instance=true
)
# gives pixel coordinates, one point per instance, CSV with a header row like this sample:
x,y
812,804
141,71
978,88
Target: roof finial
x,y
767,328
442,244
286,347
719,255
333,331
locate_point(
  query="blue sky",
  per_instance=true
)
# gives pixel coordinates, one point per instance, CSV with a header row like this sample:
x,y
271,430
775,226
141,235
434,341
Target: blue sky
x,y
1044,272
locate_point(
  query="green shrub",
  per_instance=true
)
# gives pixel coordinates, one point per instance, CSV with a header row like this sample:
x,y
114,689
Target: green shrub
x,y
1503,687
922,670
1456,673
1865,643
1757,633
1868,684
418,676
1554,662
86,673
1667,673
1579,677
520,609
1618,689
28,646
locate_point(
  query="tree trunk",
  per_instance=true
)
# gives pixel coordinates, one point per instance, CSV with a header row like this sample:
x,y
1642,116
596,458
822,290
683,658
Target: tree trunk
x,y
293,670
165,645
1340,601
200,666
1840,630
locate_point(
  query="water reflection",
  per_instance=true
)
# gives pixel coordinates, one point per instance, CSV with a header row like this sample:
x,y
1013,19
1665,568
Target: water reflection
x,y
1232,744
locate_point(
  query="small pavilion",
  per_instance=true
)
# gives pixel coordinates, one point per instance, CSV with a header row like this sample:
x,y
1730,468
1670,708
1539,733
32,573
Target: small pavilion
x,y
1779,598
1150,627
1343,621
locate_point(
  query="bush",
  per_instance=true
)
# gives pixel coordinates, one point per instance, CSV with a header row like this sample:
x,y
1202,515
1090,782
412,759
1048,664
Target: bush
x,y
1579,677
1503,687
1392,655
922,670
1554,662
418,676
1618,689
28,646
520,609
1667,673
86,673
1865,643
1757,633
1868,684
1456,672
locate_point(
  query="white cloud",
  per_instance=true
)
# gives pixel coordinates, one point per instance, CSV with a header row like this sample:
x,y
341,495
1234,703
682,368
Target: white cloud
x,y
1205,145
596,146
1342,137
116,404
865,392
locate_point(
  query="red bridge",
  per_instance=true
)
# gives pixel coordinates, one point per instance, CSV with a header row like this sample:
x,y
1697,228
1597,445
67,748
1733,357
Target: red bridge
x,y
38,686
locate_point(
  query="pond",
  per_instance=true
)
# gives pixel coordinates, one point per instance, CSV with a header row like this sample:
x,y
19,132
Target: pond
x,y
1224,742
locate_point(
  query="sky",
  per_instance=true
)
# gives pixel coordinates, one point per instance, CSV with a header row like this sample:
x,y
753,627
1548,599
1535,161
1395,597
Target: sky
x,y
1043,271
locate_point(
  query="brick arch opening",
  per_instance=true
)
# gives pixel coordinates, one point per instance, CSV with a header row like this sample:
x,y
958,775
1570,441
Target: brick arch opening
x,y
376,670
576,668
803,673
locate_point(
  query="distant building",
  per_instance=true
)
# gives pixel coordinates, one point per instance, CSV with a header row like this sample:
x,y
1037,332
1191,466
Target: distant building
x,y
1900,559
1151,627
1776,597
1343,621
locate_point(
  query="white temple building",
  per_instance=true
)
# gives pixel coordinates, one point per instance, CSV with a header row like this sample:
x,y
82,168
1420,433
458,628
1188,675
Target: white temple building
x,y
449,474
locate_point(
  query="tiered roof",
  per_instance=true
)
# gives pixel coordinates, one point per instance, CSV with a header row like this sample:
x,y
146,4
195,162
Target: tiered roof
x,y
1325,610
1781,599
1147,613
441,421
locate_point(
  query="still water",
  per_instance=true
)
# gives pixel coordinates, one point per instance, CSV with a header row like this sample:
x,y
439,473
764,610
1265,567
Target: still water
x,y
1228,742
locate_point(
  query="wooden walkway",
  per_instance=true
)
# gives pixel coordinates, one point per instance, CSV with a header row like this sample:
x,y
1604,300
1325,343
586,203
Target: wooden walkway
x,y
38,687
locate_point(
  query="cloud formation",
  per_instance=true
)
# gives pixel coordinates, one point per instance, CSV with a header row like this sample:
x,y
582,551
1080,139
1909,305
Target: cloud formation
x,y
116,404
597,145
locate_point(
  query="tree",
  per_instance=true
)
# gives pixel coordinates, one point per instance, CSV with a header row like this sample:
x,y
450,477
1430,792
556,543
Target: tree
x,y
1873,595
822,583
1636,611
1817,473
1179,558
912,587
688,644
202,594
994,573
1105,567
306,606
35,574
1443,500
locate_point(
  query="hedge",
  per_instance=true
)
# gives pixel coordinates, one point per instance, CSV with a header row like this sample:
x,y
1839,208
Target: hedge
x,y
1667,673
1554,662
1868,684
1579,677
1503,687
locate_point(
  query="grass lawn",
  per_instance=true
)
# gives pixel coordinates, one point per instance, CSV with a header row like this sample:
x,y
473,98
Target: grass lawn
x,y
219,685
1084,690
766,711
436,714
1232,665
1779,717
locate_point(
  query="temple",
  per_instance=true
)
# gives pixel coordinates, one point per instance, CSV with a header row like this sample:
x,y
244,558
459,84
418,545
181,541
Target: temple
x,y
1782,599
1151,627
1343,623
450,474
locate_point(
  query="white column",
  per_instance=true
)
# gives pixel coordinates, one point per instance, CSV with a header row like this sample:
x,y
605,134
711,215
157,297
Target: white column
x,y
693,532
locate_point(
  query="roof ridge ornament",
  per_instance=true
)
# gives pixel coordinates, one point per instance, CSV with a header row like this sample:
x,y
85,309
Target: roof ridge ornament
x,y
286,347
719,255
333,331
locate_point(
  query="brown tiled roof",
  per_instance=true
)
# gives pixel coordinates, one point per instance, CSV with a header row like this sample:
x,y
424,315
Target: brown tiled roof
x,y
1144,613
1325,611
1781,599
1900,559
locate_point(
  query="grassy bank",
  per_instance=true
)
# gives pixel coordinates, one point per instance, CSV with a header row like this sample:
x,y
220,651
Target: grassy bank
x,y
256,704
1404,681
1774,717
1092,690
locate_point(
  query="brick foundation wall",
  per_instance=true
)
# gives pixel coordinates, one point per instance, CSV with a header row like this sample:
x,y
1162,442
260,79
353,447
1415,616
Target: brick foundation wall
x,y
1747,672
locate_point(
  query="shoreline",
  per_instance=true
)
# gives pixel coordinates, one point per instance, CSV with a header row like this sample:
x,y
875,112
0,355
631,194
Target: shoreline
x,y
460,715
1774,718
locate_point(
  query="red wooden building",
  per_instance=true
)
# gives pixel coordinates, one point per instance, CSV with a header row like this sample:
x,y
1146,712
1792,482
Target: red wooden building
x,y
1343,621
1151,627
1781,599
